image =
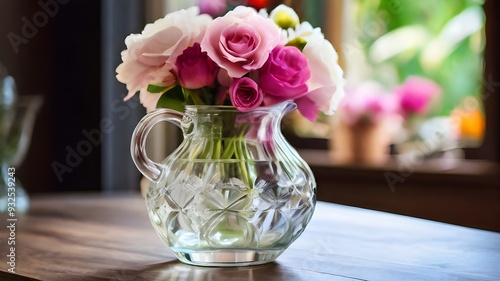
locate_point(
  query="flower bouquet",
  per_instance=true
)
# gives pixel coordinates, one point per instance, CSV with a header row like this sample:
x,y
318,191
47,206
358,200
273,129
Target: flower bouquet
x,y
234,192
245,58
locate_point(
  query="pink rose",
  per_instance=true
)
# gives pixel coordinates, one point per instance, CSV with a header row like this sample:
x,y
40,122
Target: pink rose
x,y
284,75
212,7
241,40
195,69
150,56
416,94
245,94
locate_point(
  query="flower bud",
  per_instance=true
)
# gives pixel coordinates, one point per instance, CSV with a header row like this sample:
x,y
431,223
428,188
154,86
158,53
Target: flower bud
x,y
195,69
245,94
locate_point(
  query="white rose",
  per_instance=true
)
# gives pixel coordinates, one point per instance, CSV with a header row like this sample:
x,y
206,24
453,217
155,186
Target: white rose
x,y
150,56
326,85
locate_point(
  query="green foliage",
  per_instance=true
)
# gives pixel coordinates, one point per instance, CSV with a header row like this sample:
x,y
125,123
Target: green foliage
x,y
173,99
156,89
452,59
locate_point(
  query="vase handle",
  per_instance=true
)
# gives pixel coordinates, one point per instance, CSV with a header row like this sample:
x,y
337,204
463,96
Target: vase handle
x,y
150,169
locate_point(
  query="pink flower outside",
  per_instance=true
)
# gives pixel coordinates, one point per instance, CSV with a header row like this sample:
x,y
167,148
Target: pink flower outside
x,y
368,102
416,93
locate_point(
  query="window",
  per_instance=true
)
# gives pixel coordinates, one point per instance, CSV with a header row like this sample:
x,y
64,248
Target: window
x,y
390,40
462,192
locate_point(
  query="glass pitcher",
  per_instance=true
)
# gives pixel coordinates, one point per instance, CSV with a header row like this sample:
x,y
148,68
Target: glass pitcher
x,y
234,192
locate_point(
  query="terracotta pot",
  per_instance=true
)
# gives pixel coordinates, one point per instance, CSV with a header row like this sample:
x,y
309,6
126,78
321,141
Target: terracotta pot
x,y
363,142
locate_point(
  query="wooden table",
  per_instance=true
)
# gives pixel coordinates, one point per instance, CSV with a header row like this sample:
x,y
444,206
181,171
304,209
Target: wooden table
x,y
108,237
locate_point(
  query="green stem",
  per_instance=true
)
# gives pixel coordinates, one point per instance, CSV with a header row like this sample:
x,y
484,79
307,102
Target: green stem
x,y
228,149
192,97
242,155
217,149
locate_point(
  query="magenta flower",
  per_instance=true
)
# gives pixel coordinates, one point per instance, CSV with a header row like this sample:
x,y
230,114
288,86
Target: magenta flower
x,y
284,75
307,107
245,94
241,40
195,69
416,94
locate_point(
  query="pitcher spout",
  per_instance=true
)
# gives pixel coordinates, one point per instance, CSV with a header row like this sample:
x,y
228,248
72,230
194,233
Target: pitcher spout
x,y
288,106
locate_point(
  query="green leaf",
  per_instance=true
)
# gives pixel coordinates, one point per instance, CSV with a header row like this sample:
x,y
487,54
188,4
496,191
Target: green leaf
x,y
156,89
173,99
298,42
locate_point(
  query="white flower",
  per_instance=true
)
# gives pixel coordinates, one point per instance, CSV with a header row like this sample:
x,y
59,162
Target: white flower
x,y
284,16
304,31
326,85
150,56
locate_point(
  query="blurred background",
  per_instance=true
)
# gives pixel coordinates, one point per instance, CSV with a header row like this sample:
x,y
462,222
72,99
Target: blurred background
x,y
440,162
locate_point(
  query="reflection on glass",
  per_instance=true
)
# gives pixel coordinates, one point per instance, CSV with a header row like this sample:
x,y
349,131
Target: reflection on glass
x,y
17,117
